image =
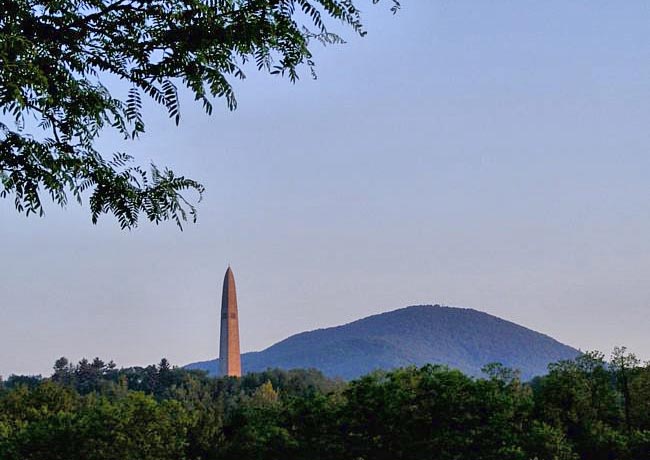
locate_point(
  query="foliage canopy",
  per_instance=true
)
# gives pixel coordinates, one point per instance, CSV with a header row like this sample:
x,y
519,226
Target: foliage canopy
x,y
582,409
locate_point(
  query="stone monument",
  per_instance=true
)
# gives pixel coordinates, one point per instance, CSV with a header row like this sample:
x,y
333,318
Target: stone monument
x,y
229,357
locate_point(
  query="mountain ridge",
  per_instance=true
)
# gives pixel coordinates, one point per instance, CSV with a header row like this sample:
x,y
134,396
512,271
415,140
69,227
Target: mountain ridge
x,y
462,338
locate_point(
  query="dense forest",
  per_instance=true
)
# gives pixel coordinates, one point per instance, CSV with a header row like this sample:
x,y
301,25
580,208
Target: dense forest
x,y
586,408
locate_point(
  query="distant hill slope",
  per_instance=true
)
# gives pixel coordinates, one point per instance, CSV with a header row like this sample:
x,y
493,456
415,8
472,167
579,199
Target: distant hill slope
x,y
461,338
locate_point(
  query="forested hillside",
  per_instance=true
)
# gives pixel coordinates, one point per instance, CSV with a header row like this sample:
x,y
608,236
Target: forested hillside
x,y
461,338
582,409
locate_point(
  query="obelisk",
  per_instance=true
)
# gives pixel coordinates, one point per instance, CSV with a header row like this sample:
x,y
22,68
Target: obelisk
x,y
229,359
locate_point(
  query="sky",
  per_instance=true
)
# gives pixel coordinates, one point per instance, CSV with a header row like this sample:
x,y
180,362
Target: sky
x,y
492,155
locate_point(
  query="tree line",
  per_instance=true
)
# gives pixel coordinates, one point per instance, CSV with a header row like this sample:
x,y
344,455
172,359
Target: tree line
x,y
586,408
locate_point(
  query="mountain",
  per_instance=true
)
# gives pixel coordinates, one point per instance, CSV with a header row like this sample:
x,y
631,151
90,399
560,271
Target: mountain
x,y
461,338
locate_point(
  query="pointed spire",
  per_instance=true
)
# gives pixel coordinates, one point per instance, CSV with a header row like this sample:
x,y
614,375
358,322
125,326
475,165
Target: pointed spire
x,y
229,356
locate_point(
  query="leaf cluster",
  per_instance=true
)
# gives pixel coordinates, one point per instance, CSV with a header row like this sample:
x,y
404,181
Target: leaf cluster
x,y
54,56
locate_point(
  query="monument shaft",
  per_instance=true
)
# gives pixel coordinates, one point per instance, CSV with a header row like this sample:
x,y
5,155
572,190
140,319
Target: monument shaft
x,y
229,356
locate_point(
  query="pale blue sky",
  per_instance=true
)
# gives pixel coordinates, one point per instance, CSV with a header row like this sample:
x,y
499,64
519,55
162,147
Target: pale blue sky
x,y
494,155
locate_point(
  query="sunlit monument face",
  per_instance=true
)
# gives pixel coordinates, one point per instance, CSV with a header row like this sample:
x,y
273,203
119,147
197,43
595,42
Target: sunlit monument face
x,y
229,358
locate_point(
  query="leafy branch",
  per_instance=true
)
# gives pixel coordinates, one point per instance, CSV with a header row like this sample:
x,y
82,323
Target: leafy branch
x,y
52,55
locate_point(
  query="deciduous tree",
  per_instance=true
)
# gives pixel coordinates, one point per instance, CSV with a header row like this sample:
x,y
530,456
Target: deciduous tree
x,y
55,57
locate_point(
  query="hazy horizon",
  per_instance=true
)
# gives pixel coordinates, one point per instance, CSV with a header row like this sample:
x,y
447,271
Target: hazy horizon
x,y
491,156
